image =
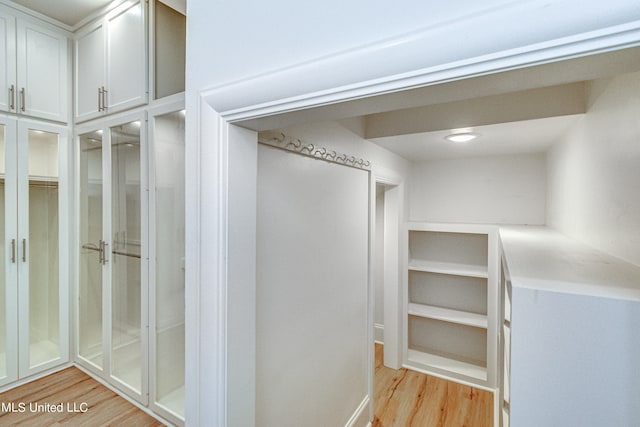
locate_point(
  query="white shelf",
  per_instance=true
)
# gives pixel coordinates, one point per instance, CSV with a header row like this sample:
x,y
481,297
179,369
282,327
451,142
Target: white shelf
x,y
448,315
449,268
429,360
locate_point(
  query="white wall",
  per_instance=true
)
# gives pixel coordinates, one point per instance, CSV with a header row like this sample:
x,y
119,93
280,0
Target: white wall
x,y
504,189
345,137
594,173
312,332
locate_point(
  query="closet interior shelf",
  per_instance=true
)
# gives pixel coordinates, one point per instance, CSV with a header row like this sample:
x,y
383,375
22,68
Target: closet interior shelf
x,y
457,269
448,315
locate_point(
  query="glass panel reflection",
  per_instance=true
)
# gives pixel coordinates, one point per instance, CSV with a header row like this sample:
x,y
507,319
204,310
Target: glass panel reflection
x,y
90,286
170,252
44,316
126,251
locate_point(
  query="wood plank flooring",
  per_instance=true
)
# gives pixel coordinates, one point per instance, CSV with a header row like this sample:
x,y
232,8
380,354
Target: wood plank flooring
x,y
72,388
409,398
402,398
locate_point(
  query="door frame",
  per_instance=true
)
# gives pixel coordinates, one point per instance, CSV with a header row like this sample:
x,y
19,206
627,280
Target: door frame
x,y
393,298
217,122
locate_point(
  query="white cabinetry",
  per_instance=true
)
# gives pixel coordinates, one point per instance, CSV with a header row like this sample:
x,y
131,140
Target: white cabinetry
x,y
33,228
7,61
111,62
33,68
451,303
113,278
573,350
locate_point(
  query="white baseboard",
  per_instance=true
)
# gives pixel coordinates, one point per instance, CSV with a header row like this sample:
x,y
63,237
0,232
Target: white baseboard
x,y
378,333
360,417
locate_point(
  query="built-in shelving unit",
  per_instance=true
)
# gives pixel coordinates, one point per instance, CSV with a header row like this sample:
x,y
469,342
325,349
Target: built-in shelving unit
x,y
451,304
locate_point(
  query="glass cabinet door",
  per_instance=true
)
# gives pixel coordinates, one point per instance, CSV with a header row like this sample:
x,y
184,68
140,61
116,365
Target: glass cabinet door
x,y
39,251
90,336
126,250
3,254
169,275
40,248
8,269
112,307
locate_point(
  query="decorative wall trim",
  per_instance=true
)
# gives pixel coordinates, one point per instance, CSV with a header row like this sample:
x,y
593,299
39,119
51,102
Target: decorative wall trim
x,y
287,143
271,93
378,333
360,416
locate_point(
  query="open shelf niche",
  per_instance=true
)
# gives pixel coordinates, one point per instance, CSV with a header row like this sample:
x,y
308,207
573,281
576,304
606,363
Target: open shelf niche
x,y
451,304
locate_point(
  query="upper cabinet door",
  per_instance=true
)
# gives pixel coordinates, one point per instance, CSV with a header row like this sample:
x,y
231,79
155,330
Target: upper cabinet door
x,y
90,72
111,63
7,63
42,72
126,57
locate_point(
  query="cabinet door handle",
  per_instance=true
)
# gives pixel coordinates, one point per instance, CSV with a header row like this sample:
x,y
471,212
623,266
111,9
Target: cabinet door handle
x,y
99,99
13,251
12,96
24,250
104,99
23,99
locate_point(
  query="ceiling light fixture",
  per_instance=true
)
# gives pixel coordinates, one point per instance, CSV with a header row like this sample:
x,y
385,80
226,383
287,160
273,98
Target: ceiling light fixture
x,y
461,137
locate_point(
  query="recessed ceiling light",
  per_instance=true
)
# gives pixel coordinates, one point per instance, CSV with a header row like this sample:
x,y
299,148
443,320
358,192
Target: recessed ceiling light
x,y
461,137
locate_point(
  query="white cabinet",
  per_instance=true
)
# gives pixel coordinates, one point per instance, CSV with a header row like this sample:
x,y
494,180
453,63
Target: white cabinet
x,y
7,61
572,346
90,71
34,70
42,72
112,338
34,225
111,63
451,303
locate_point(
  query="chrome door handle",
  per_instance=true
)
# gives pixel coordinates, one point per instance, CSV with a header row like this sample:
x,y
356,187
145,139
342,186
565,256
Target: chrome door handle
x,y
99,99
23,99
104,99
13,251
24,250
12,96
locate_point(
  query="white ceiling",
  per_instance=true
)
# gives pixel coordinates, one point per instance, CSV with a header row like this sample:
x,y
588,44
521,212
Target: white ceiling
x,y
69,12
529,136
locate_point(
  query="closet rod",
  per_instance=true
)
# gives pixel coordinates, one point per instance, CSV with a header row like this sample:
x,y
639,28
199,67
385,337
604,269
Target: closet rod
x,y
286,143
126,254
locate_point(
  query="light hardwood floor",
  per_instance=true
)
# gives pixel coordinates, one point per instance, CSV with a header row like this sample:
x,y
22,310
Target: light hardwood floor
x,y
70,386
402,398
409,398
